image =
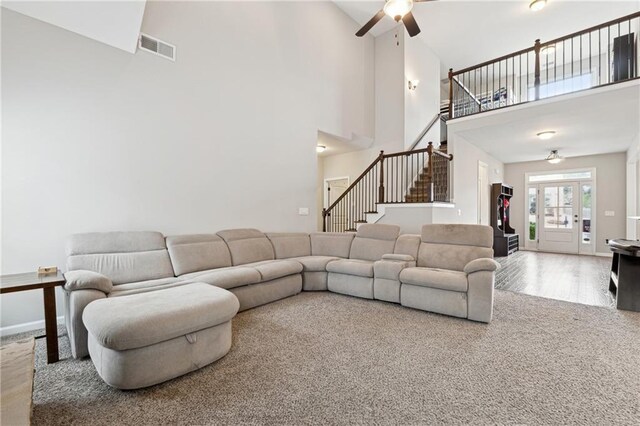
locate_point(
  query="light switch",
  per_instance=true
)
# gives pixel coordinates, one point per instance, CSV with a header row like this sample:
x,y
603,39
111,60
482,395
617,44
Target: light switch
x,y
609,213
303,211
459,212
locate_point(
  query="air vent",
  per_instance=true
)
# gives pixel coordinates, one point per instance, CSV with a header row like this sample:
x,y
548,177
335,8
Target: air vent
x,y
157,47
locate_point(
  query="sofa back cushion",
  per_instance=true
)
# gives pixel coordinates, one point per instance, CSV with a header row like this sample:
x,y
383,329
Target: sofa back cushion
x,y
200,252
336,244
374,240
293,244
247,245
124,257
408,244
453,246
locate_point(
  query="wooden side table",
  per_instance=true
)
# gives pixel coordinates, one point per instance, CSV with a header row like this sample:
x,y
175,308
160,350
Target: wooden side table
x,y
48,283
625,274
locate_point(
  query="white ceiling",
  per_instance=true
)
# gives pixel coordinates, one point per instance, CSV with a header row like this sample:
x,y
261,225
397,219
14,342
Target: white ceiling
x,y
465,33
596,121
116,23
338,145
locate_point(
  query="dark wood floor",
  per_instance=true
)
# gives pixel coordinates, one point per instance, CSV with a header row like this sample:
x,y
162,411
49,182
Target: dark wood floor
x,y
573,278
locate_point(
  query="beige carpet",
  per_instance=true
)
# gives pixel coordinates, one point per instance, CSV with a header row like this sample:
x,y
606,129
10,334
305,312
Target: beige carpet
x,y
321,358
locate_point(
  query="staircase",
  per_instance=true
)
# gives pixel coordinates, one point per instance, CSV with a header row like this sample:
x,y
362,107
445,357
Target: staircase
x,y
413,176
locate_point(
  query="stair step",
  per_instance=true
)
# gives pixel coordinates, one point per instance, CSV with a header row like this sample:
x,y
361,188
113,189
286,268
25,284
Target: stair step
x,y
372,212
360,221
351,230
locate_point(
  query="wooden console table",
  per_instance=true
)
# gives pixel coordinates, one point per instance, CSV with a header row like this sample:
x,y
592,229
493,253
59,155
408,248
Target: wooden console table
x,y
625,274
48,284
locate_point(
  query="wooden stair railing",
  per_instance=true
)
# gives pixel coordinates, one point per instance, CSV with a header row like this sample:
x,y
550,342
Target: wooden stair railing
x,y
597,56
414,176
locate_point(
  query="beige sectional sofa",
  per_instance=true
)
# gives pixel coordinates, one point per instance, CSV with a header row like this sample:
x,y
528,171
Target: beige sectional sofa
x,y
438,271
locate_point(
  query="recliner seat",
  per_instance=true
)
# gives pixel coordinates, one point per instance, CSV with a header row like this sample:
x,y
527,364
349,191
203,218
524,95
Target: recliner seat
x,y
448,269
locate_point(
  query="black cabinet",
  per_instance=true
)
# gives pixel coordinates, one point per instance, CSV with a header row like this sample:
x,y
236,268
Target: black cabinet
x,y
505,239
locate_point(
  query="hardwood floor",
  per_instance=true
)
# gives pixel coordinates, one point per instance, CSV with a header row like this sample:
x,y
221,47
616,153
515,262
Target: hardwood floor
x,y
573,278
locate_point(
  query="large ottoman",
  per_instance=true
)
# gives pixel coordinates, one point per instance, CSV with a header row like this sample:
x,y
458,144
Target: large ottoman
x,y
144,339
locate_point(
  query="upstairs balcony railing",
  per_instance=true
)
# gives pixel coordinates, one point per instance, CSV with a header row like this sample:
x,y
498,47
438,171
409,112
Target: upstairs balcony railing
x,y
598,56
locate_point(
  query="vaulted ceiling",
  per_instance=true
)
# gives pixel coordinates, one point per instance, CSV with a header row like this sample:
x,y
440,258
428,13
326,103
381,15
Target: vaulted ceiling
x,y
465,33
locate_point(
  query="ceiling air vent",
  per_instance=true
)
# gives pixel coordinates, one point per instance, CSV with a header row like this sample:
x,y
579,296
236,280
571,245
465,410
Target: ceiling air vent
x,y
157,47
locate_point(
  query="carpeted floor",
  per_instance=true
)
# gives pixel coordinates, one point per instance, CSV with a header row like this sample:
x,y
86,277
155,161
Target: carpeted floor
x,y
331,359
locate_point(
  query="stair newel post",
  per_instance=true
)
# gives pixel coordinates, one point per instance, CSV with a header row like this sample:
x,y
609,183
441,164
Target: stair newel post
x,y
536,81
450,92
324,220
381,185
430,169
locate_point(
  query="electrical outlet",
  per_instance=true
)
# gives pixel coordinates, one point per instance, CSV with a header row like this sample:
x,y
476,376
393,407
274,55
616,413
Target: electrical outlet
x,y
609,213
303,211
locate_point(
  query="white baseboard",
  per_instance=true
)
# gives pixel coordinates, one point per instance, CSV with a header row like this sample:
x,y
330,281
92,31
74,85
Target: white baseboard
x,y
26,326
609,254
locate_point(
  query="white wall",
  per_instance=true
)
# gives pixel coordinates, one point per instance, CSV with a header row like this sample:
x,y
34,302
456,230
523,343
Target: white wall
x,y
465,177
400,114
633,189
423,103
610,192
97,139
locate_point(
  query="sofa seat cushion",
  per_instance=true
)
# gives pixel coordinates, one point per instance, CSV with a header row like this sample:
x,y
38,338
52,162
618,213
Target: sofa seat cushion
x,y
144,286
141,320
315,263
272,269
231,277
443,279
359,268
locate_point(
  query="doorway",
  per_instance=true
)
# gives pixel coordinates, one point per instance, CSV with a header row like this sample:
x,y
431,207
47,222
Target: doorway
x,y
560,208
333,189
484,193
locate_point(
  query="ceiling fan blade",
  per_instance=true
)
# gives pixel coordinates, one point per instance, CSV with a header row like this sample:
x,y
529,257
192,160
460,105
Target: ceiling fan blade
x,y
410,24
378,16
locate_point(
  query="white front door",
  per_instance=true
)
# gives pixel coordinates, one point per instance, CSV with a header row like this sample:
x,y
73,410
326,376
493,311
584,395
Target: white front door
x,y
559,230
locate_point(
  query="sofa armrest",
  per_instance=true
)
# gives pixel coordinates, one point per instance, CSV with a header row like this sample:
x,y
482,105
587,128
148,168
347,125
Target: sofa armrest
x,y
484,264
390,269
398,257
87,280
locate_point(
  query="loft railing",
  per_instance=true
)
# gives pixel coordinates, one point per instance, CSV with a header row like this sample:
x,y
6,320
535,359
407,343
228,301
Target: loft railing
x,y
414,176
595,57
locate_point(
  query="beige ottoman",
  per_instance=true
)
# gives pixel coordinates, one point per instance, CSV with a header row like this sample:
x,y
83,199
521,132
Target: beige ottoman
x,y
148,338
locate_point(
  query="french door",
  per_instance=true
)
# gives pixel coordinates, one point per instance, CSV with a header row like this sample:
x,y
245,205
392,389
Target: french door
x,y
558,217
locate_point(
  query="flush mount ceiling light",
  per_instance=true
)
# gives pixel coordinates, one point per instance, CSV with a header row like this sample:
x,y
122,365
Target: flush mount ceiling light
x,y
548,50
554,157
546,135
537,5
320,148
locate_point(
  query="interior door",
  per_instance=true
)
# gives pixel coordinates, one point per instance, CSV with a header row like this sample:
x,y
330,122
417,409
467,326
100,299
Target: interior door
x,y
559,215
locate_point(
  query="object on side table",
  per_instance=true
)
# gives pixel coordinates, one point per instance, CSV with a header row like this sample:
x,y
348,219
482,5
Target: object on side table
x,y
505,239
48,284
16,370
625,273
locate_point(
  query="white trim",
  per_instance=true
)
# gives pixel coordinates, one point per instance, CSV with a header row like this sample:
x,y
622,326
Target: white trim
x,y
533,245
599,254
26,326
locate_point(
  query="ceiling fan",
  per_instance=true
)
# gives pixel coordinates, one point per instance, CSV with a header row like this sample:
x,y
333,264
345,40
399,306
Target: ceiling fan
x,y
399,10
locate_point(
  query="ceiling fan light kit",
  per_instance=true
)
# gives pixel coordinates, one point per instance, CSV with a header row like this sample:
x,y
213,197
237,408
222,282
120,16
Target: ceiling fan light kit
x,y
537,5
399,10
554,157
